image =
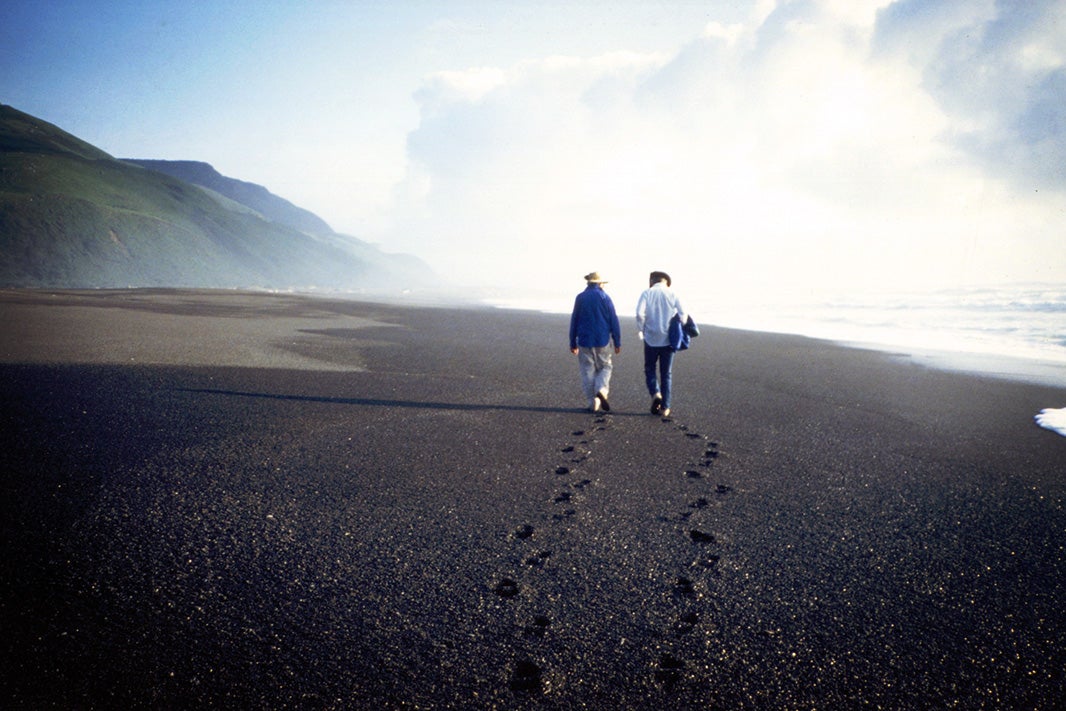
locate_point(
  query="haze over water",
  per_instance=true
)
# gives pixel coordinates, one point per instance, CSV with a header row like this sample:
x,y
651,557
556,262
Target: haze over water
x,y
1016,331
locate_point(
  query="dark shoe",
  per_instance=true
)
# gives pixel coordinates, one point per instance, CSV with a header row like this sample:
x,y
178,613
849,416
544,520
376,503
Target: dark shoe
x,y
603,402
656,405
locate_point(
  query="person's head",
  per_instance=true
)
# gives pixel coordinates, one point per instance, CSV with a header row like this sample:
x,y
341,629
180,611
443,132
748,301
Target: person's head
x,y
657,277
595,278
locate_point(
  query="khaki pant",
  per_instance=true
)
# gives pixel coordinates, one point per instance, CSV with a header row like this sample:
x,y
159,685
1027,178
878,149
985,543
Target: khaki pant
x,y
595,366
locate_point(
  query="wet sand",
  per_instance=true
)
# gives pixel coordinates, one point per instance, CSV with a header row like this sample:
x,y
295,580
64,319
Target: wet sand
x,y
227,500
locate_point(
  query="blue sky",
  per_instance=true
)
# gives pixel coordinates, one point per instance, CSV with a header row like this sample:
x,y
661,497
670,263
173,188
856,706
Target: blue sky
x,y
746,146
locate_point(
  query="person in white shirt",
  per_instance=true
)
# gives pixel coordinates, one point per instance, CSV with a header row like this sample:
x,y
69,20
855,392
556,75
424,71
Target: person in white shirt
x,y
657,305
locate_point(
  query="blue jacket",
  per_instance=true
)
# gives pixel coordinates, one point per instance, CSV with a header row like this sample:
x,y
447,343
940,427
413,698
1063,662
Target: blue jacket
x,y
681,336
594,321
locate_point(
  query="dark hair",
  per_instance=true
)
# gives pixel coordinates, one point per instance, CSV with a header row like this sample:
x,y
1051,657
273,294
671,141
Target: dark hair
x,y
657,277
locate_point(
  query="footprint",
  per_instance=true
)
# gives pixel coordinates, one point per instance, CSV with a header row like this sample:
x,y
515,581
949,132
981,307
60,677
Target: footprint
x,y
685,586
700,503
538,559
670,669
568,449
582,484
563,497
723,489
562,470
710,561
507,588
526,676
523,532
687,622
693,474
698,536
564,515
538,627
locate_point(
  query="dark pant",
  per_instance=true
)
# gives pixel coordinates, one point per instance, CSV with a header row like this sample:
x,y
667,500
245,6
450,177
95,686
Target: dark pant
x,y
664,356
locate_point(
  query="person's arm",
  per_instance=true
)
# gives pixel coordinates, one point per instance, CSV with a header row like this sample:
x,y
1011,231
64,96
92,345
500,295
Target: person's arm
x,y
616,330
642,310
573,327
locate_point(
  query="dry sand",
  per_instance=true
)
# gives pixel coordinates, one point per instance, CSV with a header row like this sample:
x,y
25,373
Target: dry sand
x,y
233,500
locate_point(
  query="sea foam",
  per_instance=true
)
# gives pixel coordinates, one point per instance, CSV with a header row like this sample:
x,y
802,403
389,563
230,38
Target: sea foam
x,y
1016,331
1013,331
1054,420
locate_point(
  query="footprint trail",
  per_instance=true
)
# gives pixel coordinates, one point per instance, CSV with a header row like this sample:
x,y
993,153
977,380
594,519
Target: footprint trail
x,y
690,590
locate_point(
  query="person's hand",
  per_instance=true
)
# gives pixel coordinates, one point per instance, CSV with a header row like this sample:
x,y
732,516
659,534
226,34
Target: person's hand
x,y
574,351
617,350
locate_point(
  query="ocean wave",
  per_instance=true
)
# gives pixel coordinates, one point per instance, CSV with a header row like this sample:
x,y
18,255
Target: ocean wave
x,y
1024,323
1054,420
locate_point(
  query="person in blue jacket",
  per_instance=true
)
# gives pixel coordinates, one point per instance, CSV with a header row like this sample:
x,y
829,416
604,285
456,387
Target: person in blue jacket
x,y
657,306
593,325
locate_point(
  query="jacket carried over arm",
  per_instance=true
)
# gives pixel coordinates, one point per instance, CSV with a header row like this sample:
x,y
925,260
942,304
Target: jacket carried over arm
x,y
682,334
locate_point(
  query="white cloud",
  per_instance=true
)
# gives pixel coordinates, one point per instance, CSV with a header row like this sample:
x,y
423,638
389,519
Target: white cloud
x,y
999,71
731,33
456,86
781,152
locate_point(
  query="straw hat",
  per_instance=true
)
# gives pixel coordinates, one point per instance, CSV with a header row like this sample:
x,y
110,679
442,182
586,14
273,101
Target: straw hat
x,y
595,278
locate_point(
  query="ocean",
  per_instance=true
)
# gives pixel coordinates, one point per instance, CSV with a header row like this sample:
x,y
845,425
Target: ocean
x,y
1016,331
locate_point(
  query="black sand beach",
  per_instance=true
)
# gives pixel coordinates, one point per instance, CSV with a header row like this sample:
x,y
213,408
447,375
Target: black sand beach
x,y
225,500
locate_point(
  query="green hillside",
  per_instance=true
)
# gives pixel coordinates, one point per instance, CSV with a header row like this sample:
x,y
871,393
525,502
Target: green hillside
x,y
73,216
257,197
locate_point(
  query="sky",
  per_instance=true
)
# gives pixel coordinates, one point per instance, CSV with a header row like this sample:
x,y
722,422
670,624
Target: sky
x,y
751,148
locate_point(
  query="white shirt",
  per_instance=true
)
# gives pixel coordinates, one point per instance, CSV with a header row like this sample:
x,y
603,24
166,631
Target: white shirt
x,y
655,308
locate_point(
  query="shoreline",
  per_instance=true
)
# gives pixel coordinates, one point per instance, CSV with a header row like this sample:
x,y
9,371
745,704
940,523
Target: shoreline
x,y
1031,369
352,504
1011,360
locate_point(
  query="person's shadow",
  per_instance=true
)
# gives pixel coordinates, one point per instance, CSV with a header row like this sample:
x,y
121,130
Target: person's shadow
x,y
377,402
